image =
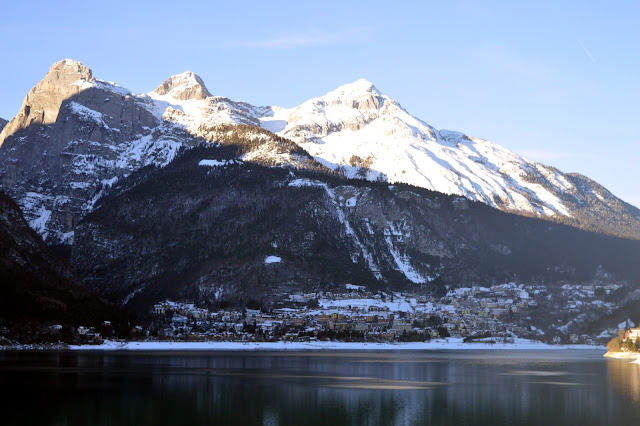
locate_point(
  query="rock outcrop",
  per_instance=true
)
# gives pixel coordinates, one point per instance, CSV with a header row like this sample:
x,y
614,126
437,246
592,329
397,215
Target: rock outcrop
x,y
184,86
42,104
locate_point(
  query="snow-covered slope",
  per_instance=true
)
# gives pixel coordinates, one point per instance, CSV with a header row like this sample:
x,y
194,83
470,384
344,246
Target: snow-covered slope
x,y
363,133
184,99
357,129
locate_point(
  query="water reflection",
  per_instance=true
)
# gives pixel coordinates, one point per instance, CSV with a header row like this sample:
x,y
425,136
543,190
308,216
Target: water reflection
x,y
624,376
483,387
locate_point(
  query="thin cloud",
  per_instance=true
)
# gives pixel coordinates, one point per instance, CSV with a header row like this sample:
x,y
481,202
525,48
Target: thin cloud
x,y
302,40
587,52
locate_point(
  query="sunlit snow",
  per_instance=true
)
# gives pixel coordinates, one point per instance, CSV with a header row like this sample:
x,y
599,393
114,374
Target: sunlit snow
x,y
215,163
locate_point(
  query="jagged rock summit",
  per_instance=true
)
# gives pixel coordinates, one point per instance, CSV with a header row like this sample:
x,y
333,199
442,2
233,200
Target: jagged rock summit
x,y
42,104
184,86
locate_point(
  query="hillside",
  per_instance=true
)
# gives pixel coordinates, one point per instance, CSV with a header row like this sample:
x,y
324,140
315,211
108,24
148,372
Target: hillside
x,y
41,298
201,228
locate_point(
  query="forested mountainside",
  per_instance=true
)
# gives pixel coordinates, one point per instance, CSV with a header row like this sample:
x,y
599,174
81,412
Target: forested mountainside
x,y
41,298
201,228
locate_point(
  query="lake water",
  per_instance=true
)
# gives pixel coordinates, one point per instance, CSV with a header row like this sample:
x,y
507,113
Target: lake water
x,y
577,387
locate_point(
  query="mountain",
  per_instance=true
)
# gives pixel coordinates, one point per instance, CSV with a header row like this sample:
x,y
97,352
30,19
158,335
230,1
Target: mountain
x,y
177,194
3,123
76,135
363,133
39,289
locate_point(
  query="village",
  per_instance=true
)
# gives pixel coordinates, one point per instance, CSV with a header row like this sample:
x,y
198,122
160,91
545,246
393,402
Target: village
x,y
500,313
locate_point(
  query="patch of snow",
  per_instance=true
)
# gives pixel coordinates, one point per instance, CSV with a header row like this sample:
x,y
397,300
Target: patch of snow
x,y
272,124
80,185
130,296
216,163
39,223
403,265
354,287
87,113
67,237
113,87
83,84
110,182
272,259
606,334
626,324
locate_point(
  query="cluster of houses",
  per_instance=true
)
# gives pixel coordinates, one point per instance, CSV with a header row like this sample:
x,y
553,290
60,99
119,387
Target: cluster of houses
x,y
501,312
632,334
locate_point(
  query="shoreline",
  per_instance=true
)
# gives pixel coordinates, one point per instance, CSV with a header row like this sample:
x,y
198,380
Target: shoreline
x,y
624,355
448,344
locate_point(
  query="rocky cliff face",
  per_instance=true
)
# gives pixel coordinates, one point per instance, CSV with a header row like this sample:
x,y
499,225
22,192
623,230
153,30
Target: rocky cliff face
x,y
183,86
57,150
73,136
42,104
3,123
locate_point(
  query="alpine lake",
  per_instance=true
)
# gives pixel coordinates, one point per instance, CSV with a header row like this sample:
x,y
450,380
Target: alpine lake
x,y
463,387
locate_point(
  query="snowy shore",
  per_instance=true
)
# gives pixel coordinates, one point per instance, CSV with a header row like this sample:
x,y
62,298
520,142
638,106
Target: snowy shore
x,y
440,344
624,355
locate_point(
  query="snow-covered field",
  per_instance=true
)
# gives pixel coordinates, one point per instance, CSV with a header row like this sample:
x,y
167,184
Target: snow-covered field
x,y
440,344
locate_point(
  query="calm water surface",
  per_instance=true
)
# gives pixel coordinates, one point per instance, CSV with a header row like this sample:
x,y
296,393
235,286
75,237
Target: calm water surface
x,y
319,388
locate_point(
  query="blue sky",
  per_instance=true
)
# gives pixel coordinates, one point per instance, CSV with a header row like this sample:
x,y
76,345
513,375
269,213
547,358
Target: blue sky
x,y
556,81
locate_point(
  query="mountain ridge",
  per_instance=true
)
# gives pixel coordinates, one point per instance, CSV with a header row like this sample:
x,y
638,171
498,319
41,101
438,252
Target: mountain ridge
x,y
85,134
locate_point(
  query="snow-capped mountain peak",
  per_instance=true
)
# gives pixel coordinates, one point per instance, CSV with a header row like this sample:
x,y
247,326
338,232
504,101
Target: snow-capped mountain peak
x,y
363,133
361,94
184,86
